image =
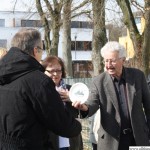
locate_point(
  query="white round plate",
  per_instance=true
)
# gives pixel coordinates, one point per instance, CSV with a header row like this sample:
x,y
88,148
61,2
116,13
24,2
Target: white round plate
x,y
79,92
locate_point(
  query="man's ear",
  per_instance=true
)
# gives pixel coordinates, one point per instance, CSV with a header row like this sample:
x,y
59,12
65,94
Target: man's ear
x,y
35,51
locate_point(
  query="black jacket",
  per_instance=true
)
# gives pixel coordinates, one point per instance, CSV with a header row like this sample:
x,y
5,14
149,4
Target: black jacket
x,y
30,105
75,142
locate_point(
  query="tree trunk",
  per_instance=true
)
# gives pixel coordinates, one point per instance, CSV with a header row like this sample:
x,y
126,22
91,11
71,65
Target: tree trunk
x,y
45,25
146,43
55,34
135,36
55,18
99,34
66,38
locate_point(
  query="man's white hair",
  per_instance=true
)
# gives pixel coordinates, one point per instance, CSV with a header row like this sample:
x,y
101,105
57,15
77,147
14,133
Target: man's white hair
x,y
113,46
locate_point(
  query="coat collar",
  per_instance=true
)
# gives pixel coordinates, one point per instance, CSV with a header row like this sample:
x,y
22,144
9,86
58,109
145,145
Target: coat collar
x,y
130,86
17,63
110,91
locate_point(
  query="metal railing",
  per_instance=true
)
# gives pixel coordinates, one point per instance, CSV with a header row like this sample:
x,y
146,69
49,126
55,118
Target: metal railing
x,y
72,81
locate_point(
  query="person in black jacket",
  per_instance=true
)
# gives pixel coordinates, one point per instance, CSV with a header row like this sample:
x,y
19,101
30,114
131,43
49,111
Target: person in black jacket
x,y
55,69
30,106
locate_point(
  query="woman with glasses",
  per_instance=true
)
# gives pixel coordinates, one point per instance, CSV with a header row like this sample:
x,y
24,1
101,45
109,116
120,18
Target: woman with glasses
x,y
55,69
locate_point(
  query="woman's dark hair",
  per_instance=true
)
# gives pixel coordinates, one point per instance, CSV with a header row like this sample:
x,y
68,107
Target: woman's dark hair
x,y
51,59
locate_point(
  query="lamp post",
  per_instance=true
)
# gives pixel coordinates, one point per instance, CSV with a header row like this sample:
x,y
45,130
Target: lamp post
x,y
75,37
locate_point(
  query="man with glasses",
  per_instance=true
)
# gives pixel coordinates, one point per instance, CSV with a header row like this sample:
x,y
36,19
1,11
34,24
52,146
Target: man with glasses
x,y
30,106
124,100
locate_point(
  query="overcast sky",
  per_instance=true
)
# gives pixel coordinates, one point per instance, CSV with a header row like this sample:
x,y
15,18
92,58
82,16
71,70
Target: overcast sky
x,y
24,5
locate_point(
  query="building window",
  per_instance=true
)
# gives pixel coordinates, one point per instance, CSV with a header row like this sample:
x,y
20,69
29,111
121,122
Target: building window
x,y
75,24
82,69
81,24
87,25
2,22
81,45
31,23
3,43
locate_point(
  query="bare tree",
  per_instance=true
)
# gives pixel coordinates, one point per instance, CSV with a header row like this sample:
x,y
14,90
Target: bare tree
x,y
66,37
68,14
99,34
51,15
146,42
55,16
141,59
45,25
116,31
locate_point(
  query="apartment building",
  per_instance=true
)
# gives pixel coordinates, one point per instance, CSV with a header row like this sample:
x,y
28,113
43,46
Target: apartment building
x,y
81,37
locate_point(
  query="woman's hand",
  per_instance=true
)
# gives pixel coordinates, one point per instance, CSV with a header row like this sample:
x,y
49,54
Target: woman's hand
x,y
64,94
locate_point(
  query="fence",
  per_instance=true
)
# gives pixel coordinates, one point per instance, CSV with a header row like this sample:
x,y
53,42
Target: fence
x,y
84,122
75,80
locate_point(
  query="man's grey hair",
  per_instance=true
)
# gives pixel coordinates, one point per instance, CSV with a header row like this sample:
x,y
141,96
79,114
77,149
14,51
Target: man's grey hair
x,y
26,39
114,46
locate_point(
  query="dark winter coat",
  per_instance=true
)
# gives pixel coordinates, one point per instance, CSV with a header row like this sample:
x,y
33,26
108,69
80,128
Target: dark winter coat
x,y
76,142
30,105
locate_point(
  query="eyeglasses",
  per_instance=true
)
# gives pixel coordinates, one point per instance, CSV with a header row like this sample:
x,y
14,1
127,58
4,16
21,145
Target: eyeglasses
x,y
112,61
38,47
54,71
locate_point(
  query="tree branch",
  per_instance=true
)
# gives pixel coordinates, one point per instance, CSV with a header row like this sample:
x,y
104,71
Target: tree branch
x,y
50,9
137,5
81,5
80,13
14,6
